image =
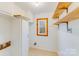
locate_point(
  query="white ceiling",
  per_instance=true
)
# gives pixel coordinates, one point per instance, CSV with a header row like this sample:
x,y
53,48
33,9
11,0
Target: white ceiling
x,y
43,7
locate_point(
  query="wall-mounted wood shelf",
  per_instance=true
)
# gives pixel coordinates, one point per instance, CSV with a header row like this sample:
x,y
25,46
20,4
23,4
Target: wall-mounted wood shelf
x,y
60,8
74,15
59,22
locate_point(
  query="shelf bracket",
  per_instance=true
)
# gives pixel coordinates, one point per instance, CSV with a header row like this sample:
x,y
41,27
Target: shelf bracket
x,y
68,29
67,26
58,26
67,10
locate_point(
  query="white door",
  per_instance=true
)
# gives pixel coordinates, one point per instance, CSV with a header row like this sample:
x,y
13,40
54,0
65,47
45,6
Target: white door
x,y
25,38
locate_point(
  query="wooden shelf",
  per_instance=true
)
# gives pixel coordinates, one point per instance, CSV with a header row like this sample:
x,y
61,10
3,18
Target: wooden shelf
x,y
74,15
59,22
60,8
